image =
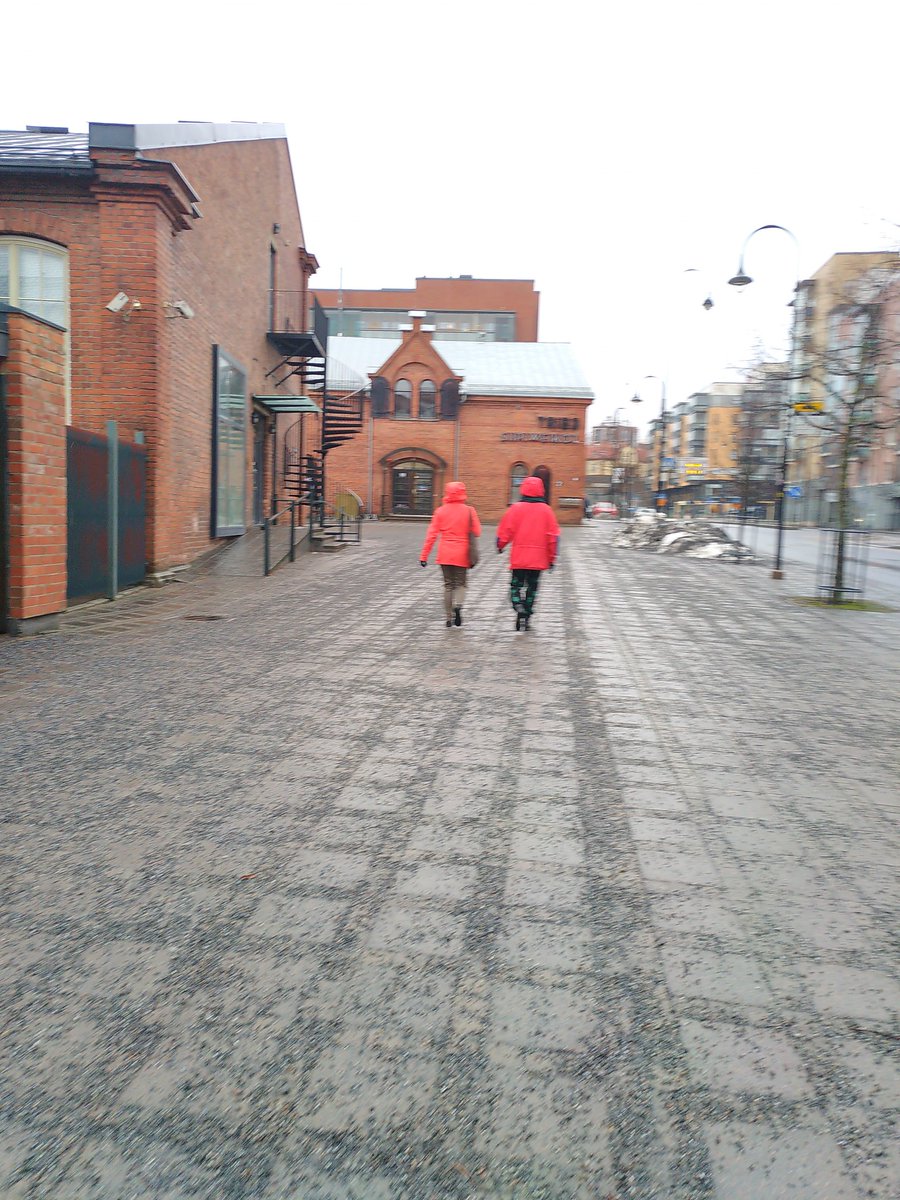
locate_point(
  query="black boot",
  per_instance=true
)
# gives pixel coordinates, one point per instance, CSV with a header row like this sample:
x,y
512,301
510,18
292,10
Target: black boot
x,y
457,616
518,622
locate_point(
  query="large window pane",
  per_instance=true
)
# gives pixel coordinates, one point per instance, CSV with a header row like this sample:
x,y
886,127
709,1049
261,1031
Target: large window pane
x,y
402,399
4,274
52,276
427,404
29,278
230,446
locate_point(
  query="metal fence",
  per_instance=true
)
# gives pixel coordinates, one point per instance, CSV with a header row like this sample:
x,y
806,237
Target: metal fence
x,y
847,549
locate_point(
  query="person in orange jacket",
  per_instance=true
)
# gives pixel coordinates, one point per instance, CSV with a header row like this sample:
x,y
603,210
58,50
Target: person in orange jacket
x,y
453,522
532,531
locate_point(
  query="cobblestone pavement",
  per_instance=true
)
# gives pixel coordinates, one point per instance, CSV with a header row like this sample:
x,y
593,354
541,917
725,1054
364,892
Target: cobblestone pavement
x,y
323,901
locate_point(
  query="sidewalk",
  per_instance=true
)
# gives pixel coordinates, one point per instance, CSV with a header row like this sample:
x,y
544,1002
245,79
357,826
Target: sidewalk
x,y
322,901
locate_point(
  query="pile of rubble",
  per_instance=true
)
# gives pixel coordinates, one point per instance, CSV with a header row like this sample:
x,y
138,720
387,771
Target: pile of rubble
x,y
694,539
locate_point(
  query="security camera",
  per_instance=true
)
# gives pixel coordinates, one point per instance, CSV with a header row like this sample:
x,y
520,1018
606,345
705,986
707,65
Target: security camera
x,y
118,302
183,309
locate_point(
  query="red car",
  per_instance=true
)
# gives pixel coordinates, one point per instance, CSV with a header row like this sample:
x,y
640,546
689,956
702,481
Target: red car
x,y
604,509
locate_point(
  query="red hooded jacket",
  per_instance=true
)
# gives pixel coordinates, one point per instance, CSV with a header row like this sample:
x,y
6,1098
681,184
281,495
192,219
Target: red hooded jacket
x,y
452,523
531,527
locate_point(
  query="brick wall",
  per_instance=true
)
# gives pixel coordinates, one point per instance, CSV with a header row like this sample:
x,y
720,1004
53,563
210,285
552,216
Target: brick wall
x,y
484,462
148,369
221,268
34,374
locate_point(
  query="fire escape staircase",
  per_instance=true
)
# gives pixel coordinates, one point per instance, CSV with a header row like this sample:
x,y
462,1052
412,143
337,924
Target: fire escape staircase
x,y
303,475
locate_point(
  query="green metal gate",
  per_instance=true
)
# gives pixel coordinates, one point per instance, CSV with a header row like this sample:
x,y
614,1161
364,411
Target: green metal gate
x,y
106,514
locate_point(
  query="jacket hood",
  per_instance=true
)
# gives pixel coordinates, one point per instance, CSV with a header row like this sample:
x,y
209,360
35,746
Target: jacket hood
x,y
455,491
531,486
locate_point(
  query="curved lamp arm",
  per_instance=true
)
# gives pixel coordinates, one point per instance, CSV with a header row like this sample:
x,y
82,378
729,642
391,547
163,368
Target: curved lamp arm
x,y
741,278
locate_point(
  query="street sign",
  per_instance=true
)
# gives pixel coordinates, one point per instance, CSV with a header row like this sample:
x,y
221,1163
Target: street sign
x,y
794,491
809,406
668,463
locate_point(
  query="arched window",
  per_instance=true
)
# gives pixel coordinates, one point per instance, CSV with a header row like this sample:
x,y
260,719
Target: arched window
x,y
518,473
427,394
402,399
33,277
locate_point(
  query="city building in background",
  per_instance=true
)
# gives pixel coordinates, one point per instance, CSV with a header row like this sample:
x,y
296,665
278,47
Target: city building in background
x,y
834,297
613,470
460,309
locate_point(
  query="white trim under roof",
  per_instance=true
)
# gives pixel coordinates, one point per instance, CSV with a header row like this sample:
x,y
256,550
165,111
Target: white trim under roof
x,y
203,133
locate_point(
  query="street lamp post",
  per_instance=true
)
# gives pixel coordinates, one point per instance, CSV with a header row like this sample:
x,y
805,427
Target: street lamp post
x,y
614,423
660,486
740,280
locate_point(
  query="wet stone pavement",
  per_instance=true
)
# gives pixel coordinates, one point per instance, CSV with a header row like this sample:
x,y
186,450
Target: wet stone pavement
x,y
323,901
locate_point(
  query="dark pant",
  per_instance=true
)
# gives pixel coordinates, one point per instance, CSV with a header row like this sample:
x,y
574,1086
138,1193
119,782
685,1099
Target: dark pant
x,y
454,588
524,579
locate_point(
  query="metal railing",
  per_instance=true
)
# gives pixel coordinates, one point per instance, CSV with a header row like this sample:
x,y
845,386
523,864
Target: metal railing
x,y
336,516
271,522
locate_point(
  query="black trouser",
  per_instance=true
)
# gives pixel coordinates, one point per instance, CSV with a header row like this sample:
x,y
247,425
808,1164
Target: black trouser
x,y
454,588
524,577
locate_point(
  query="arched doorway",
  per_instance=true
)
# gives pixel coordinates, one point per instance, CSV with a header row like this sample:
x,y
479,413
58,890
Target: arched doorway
x,y
412,488
543,473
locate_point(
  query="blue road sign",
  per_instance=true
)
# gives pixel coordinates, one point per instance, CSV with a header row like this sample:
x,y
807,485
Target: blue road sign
x,y
668,462
794,491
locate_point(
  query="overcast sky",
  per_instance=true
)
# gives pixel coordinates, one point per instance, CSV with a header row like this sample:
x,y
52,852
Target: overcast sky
x,y
601,153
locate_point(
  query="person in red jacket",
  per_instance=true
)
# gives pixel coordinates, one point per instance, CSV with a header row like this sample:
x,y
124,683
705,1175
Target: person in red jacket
x,y
531,529
453,522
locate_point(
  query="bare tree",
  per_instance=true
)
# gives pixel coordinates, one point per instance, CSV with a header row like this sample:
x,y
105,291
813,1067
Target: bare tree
x,y
844,388
759,432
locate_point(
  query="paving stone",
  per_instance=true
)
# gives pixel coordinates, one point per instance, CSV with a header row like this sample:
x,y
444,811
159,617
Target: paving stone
x,y
733,978
564,917
791,1164
758,1062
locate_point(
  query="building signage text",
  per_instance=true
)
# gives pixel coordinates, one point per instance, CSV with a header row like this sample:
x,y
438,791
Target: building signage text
x,y
558,422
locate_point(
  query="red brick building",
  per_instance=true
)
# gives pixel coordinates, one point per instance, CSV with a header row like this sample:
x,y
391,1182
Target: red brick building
x,y
486,412
165,268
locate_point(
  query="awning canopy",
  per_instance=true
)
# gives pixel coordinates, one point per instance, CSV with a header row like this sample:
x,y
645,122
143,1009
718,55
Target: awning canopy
x,y
287,404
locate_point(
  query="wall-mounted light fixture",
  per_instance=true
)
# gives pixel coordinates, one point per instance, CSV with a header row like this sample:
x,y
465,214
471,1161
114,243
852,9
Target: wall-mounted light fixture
x,y
122,303
178,308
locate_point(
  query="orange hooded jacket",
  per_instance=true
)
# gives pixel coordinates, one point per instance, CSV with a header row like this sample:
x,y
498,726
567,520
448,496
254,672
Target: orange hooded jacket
x,y
452,523
531,527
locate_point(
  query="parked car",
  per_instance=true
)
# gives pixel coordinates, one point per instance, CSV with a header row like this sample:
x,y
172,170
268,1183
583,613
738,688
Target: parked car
x,y
604,509
644,512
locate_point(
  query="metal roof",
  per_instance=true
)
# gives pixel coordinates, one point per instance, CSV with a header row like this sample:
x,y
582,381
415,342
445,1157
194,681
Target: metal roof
x,y
488,368
32,150
287,404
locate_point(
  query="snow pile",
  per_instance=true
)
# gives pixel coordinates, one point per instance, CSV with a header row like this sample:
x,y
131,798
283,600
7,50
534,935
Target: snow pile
x,y
693,539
